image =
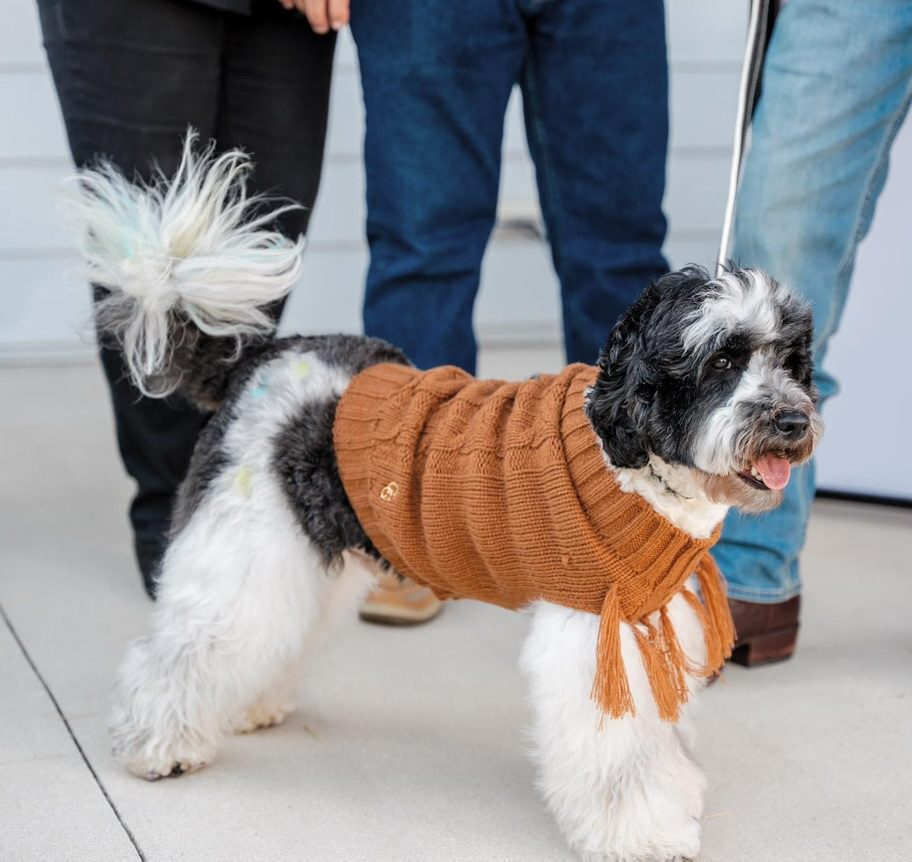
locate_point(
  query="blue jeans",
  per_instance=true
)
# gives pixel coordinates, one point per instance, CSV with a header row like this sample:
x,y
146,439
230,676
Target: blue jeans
x,y
836,86
436,78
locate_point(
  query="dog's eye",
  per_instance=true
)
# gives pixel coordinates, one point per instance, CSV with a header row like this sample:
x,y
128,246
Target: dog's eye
x,y
721,363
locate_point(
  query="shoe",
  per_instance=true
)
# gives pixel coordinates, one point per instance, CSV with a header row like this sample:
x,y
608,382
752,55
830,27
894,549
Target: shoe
x,y
397,601
764,633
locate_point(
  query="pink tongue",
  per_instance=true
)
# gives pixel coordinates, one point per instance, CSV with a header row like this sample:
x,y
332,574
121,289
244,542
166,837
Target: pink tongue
x,y
775,471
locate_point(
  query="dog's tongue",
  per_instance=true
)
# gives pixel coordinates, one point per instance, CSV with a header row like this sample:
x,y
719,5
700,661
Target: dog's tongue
x,y
774,470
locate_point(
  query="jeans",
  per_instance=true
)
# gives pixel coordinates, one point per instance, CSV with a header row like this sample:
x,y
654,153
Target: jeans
x,y
837,83
131,77
436,78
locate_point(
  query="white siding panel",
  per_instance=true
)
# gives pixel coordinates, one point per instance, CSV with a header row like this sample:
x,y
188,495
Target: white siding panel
x,y
514,139
30,215
680,252
20,34
45,304
345,134
518,194
339,212
519,293
32,127
695,198
328,297
346,53
703,104
706,31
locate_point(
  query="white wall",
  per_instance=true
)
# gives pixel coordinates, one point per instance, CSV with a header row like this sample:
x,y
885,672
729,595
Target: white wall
x,y
43,301
868,424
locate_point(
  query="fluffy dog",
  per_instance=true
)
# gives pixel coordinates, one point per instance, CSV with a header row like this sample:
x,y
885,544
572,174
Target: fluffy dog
x,y
703,400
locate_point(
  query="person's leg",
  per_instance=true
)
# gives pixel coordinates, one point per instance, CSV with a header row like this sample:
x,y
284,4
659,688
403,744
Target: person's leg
x,y
131,82
836,86
595,94
274,103
130,78
436,79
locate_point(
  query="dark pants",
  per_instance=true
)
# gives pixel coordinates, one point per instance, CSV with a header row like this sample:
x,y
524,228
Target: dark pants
x,y
436,77
131,76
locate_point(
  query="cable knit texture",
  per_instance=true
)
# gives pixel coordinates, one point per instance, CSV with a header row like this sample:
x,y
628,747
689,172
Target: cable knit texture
x,y
500,492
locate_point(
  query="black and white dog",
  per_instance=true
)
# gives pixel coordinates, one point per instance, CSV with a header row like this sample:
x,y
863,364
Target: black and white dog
x,y
703,400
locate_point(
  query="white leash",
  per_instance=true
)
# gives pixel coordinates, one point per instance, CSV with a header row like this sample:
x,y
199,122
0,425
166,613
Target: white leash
x,y
747,91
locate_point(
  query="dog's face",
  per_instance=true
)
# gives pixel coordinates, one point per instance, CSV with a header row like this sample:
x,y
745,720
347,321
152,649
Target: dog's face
x,y
715,375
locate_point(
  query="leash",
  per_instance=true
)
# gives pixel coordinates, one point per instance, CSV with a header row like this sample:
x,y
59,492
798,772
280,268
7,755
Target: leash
x,y
760,26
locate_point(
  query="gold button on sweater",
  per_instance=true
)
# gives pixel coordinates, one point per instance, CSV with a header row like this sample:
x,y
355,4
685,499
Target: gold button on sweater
x,y
499,491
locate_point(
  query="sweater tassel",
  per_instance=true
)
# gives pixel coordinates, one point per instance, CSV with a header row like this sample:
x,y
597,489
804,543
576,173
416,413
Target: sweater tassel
x,y
663,661
610,689
715,616
675,658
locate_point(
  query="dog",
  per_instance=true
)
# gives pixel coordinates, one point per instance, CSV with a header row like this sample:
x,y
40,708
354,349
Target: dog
x,y
703,399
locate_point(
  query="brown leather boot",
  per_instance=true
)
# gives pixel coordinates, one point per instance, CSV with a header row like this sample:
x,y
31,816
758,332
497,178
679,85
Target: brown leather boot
x,y
764,633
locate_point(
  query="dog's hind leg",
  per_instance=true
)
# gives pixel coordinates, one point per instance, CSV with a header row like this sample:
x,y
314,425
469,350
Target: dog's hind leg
x,y
343,591
240,590
273,705
621,789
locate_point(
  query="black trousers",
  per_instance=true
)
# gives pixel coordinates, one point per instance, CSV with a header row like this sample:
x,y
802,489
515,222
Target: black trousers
x,y
131,77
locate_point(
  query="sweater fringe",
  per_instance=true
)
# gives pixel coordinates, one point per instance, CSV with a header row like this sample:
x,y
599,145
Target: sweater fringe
x,y
610,689
715,615
664,660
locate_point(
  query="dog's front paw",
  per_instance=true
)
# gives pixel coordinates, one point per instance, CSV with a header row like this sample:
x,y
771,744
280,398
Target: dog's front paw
x,y
634,826
670,842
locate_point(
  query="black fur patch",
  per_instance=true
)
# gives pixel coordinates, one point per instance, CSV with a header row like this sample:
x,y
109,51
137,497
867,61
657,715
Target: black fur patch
x,y
306,464
209,457
632,380
305,460
349,352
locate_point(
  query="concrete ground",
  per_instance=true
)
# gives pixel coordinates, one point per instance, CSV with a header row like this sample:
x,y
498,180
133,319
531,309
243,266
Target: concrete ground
x,y
408,744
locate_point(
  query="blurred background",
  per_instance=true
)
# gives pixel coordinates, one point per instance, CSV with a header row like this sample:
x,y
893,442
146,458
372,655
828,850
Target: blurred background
x,y
44,304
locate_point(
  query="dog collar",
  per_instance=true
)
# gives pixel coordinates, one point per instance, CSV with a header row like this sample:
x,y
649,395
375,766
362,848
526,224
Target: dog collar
x,y
664,482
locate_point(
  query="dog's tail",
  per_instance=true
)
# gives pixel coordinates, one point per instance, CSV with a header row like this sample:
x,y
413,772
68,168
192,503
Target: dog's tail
x,y
190,267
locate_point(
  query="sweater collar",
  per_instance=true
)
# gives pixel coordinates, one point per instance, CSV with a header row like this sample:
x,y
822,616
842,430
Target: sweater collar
x,y
644,540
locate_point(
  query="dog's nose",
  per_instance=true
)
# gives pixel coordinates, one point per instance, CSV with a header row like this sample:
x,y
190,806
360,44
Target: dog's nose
x,y
791,423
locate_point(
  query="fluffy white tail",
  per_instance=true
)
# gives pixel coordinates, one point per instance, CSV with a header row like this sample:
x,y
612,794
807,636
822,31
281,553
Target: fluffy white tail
x,y
195,248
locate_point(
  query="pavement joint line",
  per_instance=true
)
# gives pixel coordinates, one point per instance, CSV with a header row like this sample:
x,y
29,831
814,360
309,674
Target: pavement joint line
x,y
69,729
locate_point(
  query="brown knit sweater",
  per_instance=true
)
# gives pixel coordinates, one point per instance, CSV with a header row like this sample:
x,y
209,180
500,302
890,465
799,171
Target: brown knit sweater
x,y
499,492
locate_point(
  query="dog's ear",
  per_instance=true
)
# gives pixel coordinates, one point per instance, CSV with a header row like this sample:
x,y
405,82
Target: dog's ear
x,y
619,400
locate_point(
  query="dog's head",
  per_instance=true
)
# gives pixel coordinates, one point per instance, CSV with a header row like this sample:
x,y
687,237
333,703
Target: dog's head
x,y
713,374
